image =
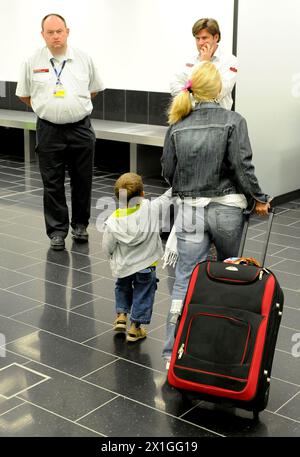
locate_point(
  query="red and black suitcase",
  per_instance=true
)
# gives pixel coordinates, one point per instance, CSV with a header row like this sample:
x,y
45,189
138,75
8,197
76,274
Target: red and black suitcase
x,y
227,332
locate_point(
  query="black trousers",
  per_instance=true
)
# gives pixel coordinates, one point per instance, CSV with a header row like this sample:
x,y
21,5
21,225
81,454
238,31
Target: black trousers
x,y
61,148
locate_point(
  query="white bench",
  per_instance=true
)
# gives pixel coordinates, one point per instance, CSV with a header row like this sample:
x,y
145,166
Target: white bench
x,y
127,132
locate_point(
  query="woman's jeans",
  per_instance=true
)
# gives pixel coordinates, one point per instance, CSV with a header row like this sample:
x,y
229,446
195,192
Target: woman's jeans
x,y
135,294
196,229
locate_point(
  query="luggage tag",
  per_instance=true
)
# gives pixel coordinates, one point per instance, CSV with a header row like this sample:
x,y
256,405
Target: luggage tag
x,y
59,91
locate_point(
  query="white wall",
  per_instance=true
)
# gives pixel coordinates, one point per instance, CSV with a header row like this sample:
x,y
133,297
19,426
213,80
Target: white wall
x,y
268,89
136,44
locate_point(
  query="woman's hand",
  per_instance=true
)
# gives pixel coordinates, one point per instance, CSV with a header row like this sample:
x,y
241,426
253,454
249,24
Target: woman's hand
x,y
261,208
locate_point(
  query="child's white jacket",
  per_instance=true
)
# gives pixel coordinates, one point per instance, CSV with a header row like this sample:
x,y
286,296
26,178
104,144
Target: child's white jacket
x,y
131,238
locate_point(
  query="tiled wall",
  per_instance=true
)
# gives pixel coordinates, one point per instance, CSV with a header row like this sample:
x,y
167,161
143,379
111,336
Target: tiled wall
x,y
112,104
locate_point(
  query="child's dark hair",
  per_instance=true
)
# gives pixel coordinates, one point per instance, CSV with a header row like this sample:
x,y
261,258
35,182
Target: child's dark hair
x,y
131,183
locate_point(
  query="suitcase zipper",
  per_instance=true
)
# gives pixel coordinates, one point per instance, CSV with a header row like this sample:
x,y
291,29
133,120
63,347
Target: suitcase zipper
x,y
264,270
180,351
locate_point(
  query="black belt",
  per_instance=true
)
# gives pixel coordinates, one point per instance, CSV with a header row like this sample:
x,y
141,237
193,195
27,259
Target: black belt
x,y
71,124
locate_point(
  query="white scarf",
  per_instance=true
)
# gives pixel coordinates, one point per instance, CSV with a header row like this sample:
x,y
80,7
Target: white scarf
x,y
170,256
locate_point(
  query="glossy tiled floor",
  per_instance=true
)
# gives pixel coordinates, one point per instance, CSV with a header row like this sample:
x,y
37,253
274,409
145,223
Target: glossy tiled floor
x,y
63,371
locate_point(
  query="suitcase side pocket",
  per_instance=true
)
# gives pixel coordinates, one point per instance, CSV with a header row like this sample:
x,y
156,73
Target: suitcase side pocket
x,y
216,347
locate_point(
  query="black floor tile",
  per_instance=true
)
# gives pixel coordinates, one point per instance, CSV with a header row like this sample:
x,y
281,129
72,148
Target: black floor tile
x,y
289,253
63,323
280,393
13,330
234,422
140,384
291,317
16,244
53,294
286,367
60,353
29,420
15,261
63,275
10,278
7,405
291,408
123,417
56,315
291,298
145,352
12,303
65,395
16,379
10,357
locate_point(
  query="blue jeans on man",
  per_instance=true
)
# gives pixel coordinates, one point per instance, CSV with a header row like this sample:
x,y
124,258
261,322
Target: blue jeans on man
x,y
135,294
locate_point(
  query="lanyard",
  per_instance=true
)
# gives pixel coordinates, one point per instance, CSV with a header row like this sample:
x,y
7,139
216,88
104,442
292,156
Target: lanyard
x,y
56,72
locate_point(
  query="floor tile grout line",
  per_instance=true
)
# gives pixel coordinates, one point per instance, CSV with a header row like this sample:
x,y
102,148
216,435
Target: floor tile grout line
x,y
37,329
191,409
162,299
283,351
290,328
165,413
100,368
70,269
116,396
291,307
288,288
62,417
20,193
60,371
286,272
287,417
32,278
14,407
99,407
271,266
19,284
286,382
292,398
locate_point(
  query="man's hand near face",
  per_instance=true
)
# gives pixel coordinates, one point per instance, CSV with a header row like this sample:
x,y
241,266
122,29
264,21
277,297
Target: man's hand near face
x,y
207,51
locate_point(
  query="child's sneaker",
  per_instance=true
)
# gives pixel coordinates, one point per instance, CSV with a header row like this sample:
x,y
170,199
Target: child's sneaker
x,y
120,323
135,333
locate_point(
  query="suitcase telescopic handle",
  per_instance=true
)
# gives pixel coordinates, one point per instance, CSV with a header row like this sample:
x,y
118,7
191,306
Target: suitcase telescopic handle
x,y
267,236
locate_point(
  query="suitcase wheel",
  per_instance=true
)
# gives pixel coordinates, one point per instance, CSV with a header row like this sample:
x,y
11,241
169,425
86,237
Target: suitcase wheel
x,y
262,404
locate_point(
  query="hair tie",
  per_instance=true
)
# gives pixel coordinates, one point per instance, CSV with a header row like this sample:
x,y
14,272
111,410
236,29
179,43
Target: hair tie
x,y
188,86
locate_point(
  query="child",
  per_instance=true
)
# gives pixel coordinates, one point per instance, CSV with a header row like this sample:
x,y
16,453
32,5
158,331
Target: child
x,y
132,242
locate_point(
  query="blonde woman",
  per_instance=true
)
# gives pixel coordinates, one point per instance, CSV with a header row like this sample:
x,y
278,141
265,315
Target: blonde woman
x,y
207,161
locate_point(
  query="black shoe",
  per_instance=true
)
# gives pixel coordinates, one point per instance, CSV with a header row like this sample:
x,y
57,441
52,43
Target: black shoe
x,y
80,234
57,243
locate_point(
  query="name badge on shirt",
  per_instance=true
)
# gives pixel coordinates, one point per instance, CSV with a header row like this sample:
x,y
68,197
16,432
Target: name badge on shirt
x,y
59,91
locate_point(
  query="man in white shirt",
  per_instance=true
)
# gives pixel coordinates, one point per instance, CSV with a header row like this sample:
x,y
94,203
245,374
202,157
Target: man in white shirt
x,y
58,83
207,35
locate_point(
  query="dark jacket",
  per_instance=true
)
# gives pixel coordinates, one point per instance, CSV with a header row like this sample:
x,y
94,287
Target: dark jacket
x,y
208,154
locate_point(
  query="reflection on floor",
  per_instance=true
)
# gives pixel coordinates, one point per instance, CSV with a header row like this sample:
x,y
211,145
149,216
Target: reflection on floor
x,y
63,371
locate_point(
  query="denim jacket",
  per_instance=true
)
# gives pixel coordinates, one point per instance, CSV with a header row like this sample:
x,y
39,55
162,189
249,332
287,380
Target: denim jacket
x,y
208,154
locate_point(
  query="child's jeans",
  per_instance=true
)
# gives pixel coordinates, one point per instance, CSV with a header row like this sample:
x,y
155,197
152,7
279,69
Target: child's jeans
x,y
135,294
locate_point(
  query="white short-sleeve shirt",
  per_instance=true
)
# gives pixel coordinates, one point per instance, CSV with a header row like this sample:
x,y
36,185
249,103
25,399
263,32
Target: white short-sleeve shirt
x,y
79,78
227,66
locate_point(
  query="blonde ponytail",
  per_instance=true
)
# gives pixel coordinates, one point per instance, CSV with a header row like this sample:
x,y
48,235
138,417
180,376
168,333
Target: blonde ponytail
x,y
181,106
204,85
